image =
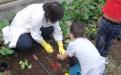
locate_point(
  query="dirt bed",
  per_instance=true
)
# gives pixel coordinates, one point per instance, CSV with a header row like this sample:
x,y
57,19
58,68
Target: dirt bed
x,y
114,67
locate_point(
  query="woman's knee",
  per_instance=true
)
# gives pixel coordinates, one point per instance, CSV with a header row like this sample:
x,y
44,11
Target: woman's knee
x,y
24,42
24,47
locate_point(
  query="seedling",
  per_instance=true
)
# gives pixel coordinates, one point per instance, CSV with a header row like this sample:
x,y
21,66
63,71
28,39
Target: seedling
x,y
24,64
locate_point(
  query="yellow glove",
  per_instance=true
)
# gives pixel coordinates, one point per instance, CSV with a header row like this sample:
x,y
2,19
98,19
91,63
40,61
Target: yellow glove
x,y
46,46
66,73
60,46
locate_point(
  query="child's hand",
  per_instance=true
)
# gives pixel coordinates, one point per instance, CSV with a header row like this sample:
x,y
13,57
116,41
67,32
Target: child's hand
x,y
59,56
63,56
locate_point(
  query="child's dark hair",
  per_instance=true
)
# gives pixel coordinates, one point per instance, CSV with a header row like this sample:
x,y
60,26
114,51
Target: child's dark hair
x,y
54,11
77,29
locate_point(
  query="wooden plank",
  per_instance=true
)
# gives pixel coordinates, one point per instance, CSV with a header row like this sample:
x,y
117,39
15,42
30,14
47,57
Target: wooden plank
x,y
6,1
13,4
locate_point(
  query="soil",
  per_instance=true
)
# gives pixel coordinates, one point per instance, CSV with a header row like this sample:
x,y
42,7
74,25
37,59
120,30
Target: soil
x,y
114,67
36,69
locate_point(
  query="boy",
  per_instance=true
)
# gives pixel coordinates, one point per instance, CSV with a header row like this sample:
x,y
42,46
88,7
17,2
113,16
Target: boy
x,y
91,63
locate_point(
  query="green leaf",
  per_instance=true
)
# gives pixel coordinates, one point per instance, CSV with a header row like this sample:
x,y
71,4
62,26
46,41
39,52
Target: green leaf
x,y
1,73
3,23
6,51
30,66
20,62
85,16
23,66
85,11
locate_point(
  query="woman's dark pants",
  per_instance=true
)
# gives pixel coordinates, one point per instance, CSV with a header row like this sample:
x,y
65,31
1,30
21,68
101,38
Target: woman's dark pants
x,y
25,41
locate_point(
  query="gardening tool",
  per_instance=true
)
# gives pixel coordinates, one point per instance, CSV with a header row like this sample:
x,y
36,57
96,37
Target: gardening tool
x,y
36,58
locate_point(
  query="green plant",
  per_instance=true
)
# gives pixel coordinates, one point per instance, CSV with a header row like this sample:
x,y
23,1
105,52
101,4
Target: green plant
x,y
91,32
86,11
65,28
24,64
1,40
3,23
6,51
1,73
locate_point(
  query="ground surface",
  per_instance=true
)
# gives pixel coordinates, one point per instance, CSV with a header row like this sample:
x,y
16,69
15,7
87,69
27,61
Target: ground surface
x,y
114,67
43,57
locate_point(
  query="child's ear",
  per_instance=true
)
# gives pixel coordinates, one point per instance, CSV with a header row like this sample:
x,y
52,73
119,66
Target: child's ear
x,y
71,36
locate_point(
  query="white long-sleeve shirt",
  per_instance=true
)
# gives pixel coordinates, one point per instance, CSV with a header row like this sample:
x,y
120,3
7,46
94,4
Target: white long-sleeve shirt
x,y
29,20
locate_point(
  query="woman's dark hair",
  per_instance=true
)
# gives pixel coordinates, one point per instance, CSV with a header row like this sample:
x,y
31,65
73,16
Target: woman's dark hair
x,y
77,29
54,11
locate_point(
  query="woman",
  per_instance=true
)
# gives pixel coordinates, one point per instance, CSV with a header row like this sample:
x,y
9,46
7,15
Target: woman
x,y
36,22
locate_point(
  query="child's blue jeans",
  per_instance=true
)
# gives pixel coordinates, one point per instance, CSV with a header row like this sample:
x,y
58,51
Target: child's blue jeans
x,y
75,70
106,33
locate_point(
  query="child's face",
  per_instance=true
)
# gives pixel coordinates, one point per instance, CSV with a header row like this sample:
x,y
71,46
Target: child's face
x,y
71,36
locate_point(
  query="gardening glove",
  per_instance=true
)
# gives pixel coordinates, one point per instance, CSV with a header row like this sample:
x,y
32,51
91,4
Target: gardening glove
x,y
60,46
46,46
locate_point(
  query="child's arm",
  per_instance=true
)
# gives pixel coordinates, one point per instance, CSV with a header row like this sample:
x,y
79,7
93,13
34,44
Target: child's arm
x,y
63,56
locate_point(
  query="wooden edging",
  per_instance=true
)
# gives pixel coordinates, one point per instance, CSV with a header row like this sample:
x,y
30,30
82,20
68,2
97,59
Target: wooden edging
x,y
13,3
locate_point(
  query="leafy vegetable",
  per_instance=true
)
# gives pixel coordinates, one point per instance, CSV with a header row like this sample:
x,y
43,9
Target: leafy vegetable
x,y
6,51
86,11
24,64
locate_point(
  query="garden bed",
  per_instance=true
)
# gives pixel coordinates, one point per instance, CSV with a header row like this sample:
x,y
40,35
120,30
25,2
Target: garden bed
x,y
36,69
113,68
73,11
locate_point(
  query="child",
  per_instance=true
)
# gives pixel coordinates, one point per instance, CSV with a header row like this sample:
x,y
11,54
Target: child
x,y
109,27
90,61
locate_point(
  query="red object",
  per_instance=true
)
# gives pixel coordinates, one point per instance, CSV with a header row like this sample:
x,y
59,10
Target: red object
x,y
55,66
112,9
